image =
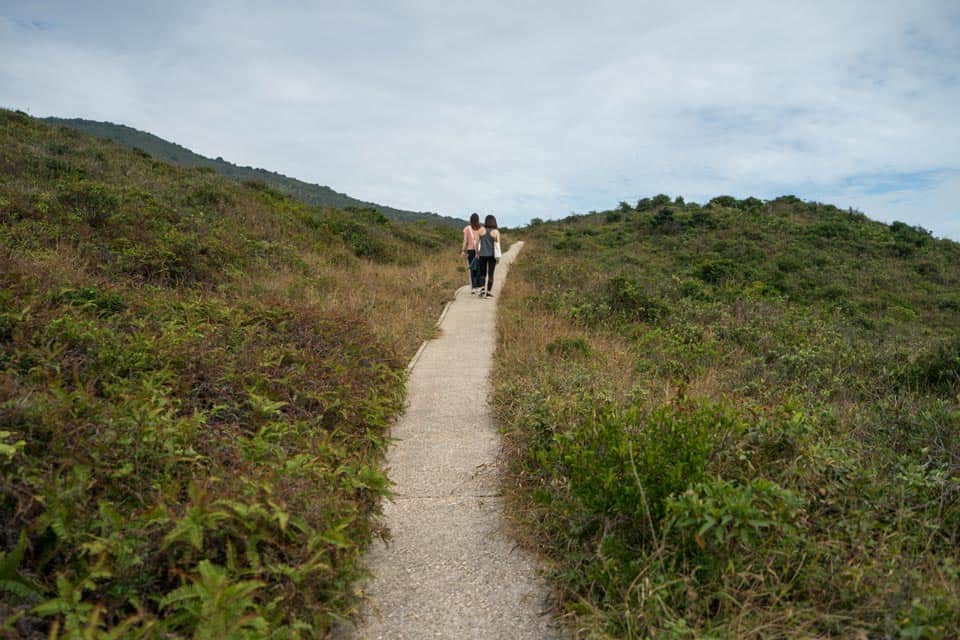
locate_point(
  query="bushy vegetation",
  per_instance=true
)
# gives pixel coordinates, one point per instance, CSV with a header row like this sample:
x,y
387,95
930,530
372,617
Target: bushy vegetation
x,y
738,420
195,380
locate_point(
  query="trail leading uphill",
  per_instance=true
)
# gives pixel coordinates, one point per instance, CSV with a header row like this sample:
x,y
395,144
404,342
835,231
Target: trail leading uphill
x,y
450,570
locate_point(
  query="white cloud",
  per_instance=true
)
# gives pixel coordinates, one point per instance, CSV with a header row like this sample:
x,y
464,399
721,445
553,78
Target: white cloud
x,y
523,109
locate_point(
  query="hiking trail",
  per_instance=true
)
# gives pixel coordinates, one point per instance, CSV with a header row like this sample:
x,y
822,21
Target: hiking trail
x,y
450,569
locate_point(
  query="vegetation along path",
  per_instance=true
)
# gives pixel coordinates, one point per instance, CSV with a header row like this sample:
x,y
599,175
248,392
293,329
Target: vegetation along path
x,y
450,570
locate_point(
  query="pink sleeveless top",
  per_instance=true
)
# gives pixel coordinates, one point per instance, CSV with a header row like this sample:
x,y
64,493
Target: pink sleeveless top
x,y
471,237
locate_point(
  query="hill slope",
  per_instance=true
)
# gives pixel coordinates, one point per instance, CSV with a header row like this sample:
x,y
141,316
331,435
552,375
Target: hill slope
x,y
739,420
195,381
172,152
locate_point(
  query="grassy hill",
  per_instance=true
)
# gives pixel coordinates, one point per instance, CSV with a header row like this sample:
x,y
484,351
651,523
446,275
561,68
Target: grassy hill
x,y
310,193
738,420
195,380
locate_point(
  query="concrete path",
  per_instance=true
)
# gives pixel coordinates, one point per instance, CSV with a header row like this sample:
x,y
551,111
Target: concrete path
x,y
450,570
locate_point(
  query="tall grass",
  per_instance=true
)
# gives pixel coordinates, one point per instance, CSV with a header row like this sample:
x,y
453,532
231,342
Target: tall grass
x,y
195,383
737,421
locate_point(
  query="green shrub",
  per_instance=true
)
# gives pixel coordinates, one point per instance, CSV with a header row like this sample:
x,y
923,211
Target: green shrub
x,y
939,369
92,202
725,519
624,464
832,230
702,218
15,117
664,221
694,289
626,297
724,201
716,271
102,303
57,168
911,235
209,194
930,271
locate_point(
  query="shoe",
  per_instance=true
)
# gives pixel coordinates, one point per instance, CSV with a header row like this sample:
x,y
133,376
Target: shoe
x,y
473,292
489,295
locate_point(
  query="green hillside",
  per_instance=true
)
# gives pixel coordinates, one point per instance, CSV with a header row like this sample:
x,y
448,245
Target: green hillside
x,y
738,420
195,380
310,193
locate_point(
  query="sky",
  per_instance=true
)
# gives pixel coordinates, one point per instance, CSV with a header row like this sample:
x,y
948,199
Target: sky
x,y
525,109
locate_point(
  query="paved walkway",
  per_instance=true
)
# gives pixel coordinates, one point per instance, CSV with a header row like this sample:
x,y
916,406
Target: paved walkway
x,y
450,570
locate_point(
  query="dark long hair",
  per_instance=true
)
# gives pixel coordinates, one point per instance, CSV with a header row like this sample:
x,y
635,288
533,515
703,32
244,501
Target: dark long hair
x,y
474,221
490,222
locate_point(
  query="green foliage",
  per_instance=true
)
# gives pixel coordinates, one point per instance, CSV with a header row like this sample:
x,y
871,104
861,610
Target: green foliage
x,y
91,202
724,519
724,201
624,465
908,238
938,369
11,582
101,303
648,204
801,478
715,271
627,297
216,607
190,432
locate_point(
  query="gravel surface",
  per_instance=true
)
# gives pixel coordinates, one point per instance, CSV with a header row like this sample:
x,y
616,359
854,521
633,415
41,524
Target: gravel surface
x,y
450,569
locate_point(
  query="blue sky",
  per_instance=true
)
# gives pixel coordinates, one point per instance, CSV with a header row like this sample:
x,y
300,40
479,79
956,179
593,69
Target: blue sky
x,y
525,109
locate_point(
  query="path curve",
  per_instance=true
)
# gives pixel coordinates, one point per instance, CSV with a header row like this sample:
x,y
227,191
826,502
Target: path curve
x,y
450,569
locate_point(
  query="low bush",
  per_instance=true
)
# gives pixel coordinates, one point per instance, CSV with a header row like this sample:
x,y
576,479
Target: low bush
x,y
627,298
938,369
91,202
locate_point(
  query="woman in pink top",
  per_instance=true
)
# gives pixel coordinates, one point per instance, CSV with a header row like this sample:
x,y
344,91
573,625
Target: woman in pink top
x,y
469,249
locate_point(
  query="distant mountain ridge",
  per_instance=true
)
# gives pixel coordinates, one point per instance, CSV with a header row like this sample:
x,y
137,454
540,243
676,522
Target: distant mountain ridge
x,y
177,154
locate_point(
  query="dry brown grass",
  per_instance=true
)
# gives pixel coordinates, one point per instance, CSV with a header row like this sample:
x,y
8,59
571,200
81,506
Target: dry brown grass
x,y
526,337
400,303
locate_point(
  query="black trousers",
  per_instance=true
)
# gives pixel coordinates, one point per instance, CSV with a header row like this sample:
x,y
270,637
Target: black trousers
x,y
475,280
487,266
